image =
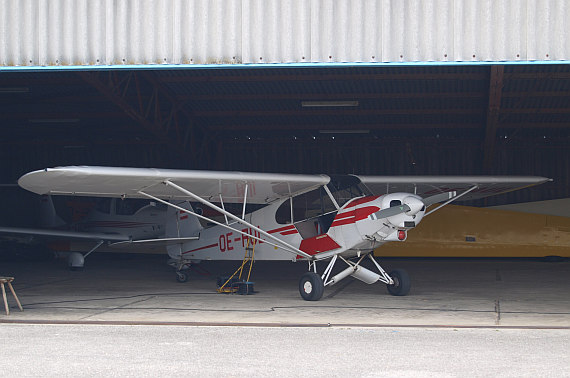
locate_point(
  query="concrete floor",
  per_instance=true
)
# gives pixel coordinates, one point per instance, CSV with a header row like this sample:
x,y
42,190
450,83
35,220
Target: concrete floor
x,y
71,350
141,289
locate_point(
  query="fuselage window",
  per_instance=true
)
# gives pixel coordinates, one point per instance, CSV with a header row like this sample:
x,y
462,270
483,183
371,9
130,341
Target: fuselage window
x,y
305,206
312,204
103,205
283,213
130,206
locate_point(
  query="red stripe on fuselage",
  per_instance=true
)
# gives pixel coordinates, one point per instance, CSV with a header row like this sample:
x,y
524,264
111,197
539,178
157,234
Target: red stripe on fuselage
x,y
292,232
282,229
354,216
360,201
287,230
201,248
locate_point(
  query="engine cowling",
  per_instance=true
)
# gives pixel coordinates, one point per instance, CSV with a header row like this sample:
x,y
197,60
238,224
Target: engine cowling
x,y
409,218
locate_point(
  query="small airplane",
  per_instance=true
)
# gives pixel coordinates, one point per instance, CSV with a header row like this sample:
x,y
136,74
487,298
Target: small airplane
x,y
319,219
93,223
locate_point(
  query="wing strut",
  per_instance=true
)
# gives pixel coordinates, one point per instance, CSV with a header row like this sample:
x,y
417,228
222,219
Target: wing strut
x,y
242,221
452,199
100,243
280,243
183,210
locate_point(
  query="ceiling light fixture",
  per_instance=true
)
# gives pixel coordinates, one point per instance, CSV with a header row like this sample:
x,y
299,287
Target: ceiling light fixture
x,y
328,104
54,120
14,89
355,131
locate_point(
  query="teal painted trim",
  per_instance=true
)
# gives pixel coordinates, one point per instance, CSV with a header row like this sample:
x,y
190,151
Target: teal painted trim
x,y
271,65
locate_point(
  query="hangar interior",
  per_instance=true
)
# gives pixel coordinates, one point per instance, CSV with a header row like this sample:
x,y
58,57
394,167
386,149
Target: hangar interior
x,y
364,87
386,120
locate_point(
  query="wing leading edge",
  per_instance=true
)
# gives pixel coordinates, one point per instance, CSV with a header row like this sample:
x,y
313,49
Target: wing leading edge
x,y
262,188
427,186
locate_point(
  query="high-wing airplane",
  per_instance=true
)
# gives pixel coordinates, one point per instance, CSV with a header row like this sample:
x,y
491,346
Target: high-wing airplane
x,y
93,223
319,219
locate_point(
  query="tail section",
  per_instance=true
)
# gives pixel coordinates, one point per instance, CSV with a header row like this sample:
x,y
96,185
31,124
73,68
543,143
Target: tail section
x,y
48,215
180,225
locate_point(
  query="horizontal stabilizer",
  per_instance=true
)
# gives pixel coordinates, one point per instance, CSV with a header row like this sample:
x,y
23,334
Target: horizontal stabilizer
x,y
47,233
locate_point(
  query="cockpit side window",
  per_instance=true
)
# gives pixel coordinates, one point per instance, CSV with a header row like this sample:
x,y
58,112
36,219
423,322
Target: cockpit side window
x,y
130,206
312,204
305,206
283,213
103,205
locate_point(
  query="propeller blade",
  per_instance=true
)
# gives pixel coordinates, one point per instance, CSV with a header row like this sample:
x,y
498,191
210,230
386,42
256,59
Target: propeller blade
x,y
391,211
441,197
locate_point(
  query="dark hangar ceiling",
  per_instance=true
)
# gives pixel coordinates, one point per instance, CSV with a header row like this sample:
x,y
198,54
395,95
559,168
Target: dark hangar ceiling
x,y
512,119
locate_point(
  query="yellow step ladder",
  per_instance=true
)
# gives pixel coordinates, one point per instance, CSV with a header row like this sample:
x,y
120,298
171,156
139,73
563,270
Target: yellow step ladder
x,y
231,287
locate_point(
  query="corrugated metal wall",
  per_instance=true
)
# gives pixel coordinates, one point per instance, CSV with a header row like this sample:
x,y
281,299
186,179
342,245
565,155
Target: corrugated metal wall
x,y
121,32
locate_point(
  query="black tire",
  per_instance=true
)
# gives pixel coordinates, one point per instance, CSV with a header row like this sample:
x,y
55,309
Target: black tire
x,y
182,276
311,286
402,283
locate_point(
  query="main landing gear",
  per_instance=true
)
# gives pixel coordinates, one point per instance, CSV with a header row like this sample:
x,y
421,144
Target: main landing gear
x,y
182,276
312,285
182,267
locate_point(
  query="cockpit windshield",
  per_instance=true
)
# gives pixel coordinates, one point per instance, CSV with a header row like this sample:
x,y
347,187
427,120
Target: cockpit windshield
x,y
317,202
344,188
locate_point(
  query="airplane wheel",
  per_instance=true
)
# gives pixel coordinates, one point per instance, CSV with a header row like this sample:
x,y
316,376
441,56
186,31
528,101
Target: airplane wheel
x,y
182,276
402,283
311,286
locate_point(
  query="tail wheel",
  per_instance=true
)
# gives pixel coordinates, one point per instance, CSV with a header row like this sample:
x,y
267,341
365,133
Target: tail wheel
x,y
311,286
402,283
182,276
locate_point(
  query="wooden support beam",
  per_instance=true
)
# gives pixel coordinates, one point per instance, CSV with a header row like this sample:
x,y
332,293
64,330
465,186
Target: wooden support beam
x,y
151,113
300,96
311,126
333,112
493,111
303,76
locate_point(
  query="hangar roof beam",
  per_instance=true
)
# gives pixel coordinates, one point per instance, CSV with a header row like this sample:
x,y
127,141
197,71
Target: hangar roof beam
x,y
493,111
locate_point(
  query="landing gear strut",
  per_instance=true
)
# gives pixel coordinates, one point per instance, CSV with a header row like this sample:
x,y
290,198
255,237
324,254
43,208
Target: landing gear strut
x,y
312,285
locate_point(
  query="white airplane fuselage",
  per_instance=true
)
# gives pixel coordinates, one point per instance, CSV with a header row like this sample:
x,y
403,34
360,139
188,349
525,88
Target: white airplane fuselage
x,y
354,230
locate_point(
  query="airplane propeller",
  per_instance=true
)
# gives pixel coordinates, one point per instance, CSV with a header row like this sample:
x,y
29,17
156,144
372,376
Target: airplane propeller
x,y
412,205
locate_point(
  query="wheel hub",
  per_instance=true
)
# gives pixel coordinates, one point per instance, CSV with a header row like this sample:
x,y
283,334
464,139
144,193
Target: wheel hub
x,y
396,281
308,287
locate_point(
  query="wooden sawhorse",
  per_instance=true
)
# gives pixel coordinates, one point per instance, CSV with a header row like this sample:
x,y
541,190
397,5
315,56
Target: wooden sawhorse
x,y
8,280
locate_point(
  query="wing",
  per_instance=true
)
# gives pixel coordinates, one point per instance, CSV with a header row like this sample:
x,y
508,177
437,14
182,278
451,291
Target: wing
x,y
262,188
429,186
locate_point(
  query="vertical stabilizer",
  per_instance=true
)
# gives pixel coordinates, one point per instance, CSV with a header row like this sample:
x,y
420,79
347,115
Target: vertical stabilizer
x,y
48,215
181,225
